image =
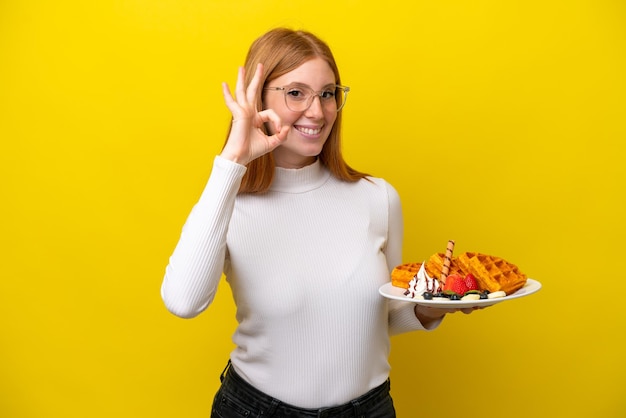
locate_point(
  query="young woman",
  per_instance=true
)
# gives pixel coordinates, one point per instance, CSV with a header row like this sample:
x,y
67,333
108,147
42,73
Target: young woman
x,y
304,241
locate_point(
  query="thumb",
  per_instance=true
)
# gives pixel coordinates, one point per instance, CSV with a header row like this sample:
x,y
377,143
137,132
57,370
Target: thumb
x,y
279,137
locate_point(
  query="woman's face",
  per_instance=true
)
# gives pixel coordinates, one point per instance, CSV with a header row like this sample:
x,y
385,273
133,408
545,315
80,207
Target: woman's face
x,y
309,128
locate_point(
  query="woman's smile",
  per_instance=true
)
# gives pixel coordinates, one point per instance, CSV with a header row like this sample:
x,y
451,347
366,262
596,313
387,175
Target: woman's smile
x,y
309,131
310,127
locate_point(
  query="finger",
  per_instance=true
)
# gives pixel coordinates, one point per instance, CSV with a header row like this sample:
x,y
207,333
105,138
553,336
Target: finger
x,y
228,97
231,104
280,136
240,86
467,310
269,115
229,100
279,131
254,84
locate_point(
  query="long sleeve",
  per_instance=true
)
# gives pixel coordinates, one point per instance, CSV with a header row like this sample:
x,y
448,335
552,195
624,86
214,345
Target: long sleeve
x,y
401,314
195,267
304,262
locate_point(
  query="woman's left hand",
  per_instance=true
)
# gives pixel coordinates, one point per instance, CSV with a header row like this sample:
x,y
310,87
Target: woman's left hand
x,y
429,314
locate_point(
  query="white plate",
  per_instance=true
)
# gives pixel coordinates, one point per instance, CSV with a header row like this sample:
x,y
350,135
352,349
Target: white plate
x,y
397,293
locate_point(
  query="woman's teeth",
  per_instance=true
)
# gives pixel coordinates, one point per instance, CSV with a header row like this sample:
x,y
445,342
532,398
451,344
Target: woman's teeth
x,y
309,131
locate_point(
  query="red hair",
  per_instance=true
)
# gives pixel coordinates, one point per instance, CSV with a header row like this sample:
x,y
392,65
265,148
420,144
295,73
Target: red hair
x,y
280,51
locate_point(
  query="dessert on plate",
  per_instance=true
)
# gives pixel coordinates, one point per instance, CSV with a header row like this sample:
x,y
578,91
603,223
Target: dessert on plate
x,y
470,275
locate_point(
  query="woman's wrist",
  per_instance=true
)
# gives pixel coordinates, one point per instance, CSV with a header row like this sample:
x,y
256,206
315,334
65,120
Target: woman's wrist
x,y
427,315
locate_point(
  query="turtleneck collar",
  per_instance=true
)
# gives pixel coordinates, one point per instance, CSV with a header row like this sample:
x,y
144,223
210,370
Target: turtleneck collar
x,y
299,180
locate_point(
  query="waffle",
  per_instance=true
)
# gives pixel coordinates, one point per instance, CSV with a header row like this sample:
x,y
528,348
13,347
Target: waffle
x,y
492,273
434,265
401,275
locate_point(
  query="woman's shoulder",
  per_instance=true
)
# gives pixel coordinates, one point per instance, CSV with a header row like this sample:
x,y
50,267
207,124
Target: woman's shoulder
x,y
380,182
379,187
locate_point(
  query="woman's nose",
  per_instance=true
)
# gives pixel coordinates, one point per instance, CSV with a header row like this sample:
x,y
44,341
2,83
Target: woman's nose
x,y
315,107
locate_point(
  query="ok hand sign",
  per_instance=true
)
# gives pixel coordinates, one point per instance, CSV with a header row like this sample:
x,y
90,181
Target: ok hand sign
x,y
247,140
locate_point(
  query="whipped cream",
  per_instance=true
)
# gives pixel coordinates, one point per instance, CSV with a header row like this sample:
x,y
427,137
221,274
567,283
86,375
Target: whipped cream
x,y
421,283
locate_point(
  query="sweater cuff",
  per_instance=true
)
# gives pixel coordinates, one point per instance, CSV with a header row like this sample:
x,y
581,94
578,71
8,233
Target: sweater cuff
x,y
224,180
402,318
228,167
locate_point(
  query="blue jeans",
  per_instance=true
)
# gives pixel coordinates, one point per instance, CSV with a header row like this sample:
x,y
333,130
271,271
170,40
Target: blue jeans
x,y
236,398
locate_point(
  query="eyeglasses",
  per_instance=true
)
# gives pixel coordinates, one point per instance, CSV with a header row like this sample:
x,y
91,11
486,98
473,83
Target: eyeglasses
x,y
299,97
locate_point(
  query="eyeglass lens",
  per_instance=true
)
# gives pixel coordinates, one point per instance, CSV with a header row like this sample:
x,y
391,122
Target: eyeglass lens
x,y
299,99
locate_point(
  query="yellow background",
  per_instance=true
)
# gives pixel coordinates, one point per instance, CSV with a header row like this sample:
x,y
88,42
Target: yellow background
x,y
501,124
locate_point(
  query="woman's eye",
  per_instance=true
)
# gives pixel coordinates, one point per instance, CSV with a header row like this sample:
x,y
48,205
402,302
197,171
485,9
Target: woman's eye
x,y
295,94
329,94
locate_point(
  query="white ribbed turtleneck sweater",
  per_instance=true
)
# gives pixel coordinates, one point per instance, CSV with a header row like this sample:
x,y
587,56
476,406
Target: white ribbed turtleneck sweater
x,y
304,262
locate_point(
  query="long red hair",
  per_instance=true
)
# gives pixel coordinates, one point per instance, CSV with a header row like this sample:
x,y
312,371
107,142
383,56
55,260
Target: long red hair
x,y
280,51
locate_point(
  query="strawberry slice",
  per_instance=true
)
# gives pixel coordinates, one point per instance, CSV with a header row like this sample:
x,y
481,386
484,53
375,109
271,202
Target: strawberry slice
x,y
455,283
470,282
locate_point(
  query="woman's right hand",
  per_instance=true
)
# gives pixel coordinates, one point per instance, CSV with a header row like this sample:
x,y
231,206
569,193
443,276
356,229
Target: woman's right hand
x,y
247,140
